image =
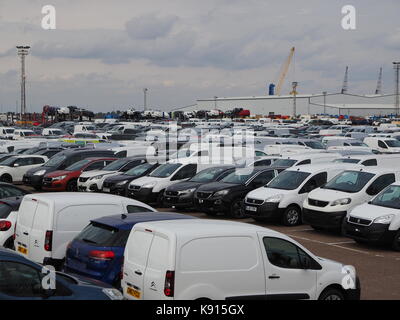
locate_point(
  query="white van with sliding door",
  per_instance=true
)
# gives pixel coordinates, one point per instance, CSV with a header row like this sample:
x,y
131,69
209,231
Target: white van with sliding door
x,y
47,222
218,260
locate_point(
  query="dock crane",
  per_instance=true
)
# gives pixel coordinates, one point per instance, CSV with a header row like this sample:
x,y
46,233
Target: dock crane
x,y
282,75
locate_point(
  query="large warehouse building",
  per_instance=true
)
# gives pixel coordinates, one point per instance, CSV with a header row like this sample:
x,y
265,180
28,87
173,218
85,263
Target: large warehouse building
x,y
331,103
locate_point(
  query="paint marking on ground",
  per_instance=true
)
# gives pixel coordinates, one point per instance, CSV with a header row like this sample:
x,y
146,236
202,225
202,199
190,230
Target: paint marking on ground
x,y
301,230
342,242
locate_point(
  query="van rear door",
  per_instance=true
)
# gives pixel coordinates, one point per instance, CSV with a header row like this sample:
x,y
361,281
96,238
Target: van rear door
x,y
136,256
26,214
42,226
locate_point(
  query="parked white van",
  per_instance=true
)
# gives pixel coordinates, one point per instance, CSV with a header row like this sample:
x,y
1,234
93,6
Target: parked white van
x,y
224,260
6,133
377,160
283,197
47,222
377,221
326,207
383,145
307,158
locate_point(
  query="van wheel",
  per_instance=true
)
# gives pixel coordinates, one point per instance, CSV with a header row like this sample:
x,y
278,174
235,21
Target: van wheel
x,y
72,186
331,294
396,241
6,178
291,216
236,209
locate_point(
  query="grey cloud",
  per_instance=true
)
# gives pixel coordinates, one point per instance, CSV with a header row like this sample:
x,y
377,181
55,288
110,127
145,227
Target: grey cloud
x,y
150,26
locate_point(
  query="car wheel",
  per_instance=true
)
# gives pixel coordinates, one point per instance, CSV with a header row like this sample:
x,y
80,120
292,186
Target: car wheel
x,y
396,241
237,209
72,186
291,216
6,178
331,294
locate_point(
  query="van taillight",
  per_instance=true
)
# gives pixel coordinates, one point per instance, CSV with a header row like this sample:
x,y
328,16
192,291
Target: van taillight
x,y
169,283
101,255
5,225
48,240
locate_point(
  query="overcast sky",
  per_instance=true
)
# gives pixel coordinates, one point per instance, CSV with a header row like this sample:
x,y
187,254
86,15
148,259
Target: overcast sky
x,y
103,52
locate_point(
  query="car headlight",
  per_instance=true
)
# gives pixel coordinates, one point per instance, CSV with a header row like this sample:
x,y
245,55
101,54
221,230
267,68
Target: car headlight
x,y
187,191
59,178
221,193
341,202
149,185
39,173
97,177
121,183
387,219
113,294
275,198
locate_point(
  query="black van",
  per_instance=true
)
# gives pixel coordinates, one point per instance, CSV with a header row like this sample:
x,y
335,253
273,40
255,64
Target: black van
x,y
34,176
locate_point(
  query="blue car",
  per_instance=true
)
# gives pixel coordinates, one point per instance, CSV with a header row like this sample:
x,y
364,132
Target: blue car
x,y
22,279
98,251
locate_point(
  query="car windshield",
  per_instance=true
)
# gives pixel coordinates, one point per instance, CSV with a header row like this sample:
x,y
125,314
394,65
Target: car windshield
x,y
103,235
314,144
288,180
9,130
115,165
165,170
55,161
9,161
389,198
238,176
207,175
393,143
284,162
78,165
346,160
139,170
349,181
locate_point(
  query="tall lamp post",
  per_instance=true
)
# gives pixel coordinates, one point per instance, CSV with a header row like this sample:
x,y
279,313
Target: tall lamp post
x,y
294,86
324,93
396,66
145,98
22,52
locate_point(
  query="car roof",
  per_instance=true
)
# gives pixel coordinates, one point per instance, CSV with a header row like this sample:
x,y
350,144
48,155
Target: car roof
x,y
311,168
127,221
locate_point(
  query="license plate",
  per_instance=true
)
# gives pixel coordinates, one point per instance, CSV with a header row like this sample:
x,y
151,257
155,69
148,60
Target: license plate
x,y
133,292
106,189
248,208
22,250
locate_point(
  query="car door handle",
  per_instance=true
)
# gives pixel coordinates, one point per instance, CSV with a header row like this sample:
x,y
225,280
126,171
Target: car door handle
x,y
138,272
274,276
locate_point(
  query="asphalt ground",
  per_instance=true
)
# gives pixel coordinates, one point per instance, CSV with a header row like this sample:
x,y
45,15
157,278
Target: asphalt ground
x,y
378,267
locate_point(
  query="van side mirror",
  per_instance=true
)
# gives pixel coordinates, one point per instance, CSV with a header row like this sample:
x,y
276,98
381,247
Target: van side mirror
x,y
15,165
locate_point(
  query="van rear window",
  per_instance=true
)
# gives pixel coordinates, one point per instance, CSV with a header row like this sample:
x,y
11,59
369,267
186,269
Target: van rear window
x,y
5,210
103,235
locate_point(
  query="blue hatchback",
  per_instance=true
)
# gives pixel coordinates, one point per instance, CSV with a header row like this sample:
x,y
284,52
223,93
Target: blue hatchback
x,y
22,279
98,251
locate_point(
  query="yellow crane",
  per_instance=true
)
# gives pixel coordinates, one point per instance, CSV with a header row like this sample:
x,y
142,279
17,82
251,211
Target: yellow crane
x,y
284,71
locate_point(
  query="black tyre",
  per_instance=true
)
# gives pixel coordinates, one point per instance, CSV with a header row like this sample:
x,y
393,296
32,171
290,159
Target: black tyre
x,y
237,209
72,186
331,294
291,216
6,178
396,241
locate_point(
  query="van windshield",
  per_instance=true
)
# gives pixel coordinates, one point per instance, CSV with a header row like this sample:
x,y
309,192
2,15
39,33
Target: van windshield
x,y
389,198
288,180
285,162
346,160
55,161
103,235
314,144
349,181
393,143
165,170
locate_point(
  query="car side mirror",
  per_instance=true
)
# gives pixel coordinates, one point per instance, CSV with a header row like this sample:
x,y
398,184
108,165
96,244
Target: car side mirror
x,y
15,165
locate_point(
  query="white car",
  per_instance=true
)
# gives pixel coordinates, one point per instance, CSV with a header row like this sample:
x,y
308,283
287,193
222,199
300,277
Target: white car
x,y
327,207
92,181
14,168
377,221
199,259
47,222
283,197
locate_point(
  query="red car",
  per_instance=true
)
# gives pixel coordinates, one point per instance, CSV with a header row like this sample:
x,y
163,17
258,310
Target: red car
x,y
66,180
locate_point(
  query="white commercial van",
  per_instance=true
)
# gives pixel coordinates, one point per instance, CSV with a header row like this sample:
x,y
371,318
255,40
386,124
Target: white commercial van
x,y
6,133
47,222
326,207
218,260
378,221
383,145
283,197
307,158
377,160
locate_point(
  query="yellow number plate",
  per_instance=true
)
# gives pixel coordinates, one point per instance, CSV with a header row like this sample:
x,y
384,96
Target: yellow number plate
x,y
22,250
133,292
